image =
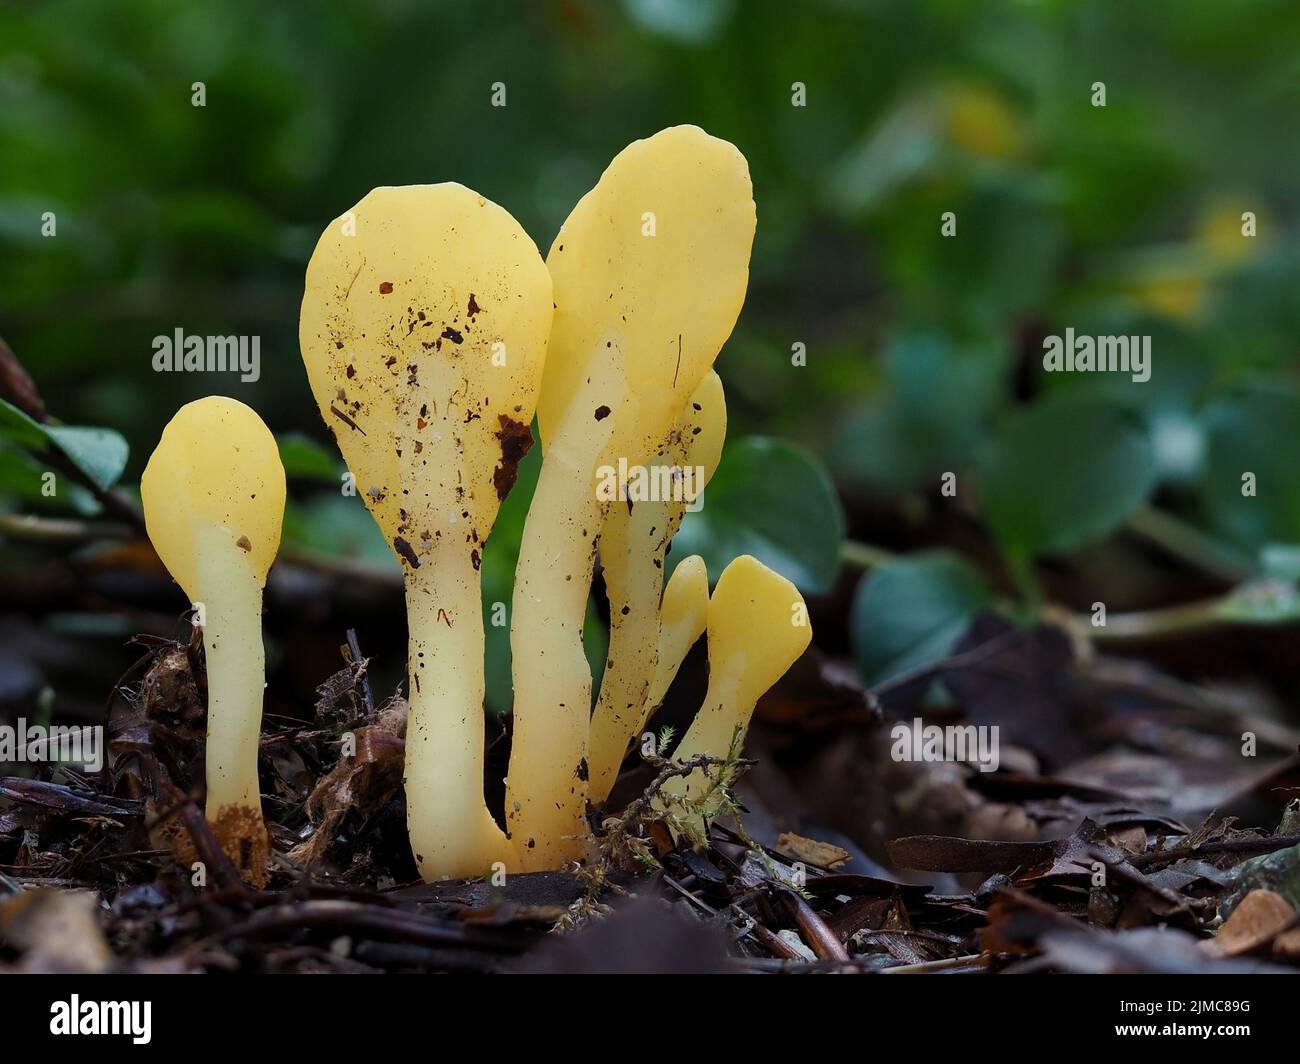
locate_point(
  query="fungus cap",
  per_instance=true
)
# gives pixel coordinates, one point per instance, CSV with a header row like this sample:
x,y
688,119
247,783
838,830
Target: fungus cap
x,y
757,627
435,312
215,479
652,263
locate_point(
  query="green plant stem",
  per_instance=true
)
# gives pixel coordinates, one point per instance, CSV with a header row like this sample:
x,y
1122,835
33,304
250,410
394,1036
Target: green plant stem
x,y
30,528
864,555
1155,624
1189,543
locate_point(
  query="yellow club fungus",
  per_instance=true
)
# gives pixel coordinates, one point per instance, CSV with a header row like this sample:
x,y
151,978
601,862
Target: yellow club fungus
x,y
213,495
424,329
758,627
633,544
649,273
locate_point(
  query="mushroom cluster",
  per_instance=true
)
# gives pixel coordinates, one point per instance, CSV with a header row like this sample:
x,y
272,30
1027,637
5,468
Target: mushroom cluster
x,y
432,331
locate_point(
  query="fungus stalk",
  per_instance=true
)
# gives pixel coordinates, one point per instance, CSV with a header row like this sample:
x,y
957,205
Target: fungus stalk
x,y
236,671
213,494
424,328
649,274
546,784
444,732
758,627
634,543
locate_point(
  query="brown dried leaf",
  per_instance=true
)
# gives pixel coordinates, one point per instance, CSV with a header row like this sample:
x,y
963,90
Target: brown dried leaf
x,y
363,782
1257,920
810,851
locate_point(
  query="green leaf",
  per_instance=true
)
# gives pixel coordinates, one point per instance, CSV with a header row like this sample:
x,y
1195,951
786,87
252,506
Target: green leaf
x,y
22,480
931,417
1064,473
20,428
1254,432
305,459
774,500
1280,561
99,453
912,611
687,21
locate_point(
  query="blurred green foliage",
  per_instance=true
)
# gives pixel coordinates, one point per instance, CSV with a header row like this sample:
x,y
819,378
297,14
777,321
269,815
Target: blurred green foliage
x,y
772,500
923,350
913,610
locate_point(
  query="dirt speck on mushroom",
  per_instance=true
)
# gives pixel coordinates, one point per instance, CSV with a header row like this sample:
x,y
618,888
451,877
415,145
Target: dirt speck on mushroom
x,y
516,439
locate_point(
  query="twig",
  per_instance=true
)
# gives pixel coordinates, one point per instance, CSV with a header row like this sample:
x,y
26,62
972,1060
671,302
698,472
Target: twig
x,y
352,916
775,944
1263,844
823,941
35,529
205,841
359,661
970,960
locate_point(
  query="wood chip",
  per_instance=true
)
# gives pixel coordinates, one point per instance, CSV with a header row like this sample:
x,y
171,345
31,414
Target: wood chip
x,y
810,851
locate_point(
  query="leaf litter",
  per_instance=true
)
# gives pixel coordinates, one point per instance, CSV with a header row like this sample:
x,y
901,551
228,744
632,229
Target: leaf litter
x,y
827,855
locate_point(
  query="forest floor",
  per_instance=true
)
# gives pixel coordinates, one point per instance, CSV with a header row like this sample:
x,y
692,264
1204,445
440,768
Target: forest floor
x,y
1152,847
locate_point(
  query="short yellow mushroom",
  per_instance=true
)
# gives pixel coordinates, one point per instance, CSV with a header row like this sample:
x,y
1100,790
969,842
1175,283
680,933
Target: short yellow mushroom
x,y
633,545
682,620
213,494
649,274
424,329
758,627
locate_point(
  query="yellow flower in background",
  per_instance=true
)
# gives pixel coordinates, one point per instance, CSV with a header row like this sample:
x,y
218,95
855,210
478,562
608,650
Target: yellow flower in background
x,y
984,122
1231,232
1182,297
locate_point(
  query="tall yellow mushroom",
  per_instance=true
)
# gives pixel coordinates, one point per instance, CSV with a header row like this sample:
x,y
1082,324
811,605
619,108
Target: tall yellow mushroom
x,y
213,494
424,329
633,545
649,274
758,626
